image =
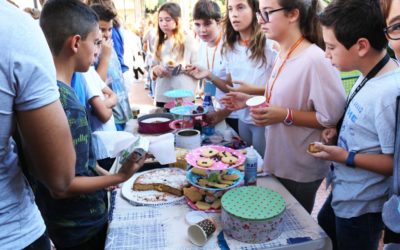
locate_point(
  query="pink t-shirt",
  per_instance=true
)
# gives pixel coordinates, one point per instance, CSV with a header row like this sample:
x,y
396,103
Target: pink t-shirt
x,y
307,82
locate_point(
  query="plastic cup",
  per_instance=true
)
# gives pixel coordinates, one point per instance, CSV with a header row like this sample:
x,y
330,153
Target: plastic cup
x,y
257,102
200,232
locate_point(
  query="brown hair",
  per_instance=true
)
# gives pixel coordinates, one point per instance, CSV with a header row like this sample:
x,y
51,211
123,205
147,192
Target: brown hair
x,y
385,7
111,6
258,39
309,24
174,11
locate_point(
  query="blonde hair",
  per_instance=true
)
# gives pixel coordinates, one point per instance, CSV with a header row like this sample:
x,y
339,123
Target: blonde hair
x,y
174,11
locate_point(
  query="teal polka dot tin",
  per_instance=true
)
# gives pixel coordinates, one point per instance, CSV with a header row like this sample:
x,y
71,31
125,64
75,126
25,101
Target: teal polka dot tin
x,y
252,214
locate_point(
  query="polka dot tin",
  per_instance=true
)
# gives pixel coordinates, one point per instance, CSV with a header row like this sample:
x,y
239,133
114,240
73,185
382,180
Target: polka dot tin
x,y
252,214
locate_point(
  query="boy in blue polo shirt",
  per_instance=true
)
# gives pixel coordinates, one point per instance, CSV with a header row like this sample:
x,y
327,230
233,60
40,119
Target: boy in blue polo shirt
x,y
363,157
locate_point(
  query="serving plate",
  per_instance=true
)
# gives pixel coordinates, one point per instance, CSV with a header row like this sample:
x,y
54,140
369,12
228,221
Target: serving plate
x,y
149,197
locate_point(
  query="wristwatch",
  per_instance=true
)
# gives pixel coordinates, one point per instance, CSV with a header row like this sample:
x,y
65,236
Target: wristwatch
x,y
289,118
350,159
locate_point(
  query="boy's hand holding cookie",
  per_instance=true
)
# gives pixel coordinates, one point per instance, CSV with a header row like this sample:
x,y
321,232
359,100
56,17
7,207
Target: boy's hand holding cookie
x,y
331,153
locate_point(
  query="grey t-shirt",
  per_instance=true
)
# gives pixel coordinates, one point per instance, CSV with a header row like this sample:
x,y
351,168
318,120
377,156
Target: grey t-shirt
x,y
368,128
27,81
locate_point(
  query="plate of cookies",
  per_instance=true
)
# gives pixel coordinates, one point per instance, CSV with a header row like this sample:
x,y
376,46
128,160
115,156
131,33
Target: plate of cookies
x,y
203,200
215,157
214,180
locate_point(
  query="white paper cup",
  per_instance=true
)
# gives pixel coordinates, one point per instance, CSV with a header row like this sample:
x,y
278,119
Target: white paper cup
x,y
188,139
200,232
257,102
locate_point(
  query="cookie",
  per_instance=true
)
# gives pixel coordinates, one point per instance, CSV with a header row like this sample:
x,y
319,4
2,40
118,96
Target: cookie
x,y
230,177
229,160
224,154
209,152
205,162
199,171
202,182
203,205
226,182
192,194
216,204
312,148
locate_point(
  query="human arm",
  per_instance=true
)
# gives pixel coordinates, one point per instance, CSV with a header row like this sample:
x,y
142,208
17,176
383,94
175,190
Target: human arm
x,y
104,58
100,110
378,163
48,142
85,184
264,116
216,117
200,73
247,88
235,100
111,98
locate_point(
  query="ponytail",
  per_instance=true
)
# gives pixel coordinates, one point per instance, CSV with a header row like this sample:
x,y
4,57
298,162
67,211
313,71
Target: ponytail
x,y
309,23
310,27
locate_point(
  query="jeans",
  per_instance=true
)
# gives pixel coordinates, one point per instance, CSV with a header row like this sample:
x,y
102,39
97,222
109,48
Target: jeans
x,y
362,232
253,135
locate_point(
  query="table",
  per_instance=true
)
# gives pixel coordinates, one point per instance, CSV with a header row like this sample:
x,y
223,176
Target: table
x,y
164,227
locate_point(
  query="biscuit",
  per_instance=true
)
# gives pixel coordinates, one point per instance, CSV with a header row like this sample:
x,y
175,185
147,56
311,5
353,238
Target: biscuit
x,y
312,148
224,154
217,185
199,171
205,162
216,204
229,160
202,182
192,194
230,177
203,205
226,182
209,152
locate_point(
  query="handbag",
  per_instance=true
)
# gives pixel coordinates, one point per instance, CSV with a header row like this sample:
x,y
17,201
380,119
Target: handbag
x,y
391,208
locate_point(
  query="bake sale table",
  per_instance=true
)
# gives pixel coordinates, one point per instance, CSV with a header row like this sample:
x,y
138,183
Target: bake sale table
x,y
165,227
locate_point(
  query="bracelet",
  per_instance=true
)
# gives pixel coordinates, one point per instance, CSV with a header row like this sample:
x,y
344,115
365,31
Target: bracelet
x,y
350,159
289,117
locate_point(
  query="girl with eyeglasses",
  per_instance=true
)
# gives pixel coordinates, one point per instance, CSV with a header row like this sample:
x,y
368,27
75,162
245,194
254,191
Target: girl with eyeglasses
x,y
173,47
304,94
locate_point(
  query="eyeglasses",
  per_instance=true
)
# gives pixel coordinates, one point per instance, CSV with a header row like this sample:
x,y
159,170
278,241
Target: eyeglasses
x,y
393,31
264,15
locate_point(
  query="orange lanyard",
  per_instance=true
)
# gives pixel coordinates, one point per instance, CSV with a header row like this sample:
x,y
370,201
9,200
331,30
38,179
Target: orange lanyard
x,y
243,42
215,50
274,77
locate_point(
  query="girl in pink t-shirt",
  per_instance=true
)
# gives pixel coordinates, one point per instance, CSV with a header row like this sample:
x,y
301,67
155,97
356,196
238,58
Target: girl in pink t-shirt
x,y
304,95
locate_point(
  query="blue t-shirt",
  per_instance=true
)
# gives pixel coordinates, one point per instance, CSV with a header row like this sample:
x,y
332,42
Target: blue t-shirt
x,y
74,220
27,82
122,111
78,83
368,128
118,41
